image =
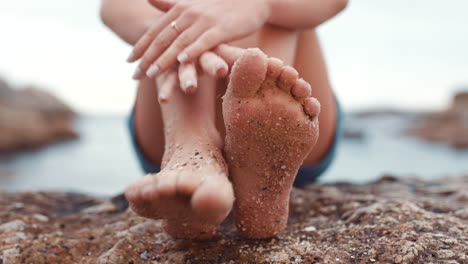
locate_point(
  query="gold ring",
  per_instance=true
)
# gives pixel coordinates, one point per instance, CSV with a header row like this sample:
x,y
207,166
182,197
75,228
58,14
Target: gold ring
x,y
174,26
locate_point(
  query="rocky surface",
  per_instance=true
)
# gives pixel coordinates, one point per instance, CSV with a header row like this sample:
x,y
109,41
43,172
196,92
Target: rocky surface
x,y
447,127
388,221
31,117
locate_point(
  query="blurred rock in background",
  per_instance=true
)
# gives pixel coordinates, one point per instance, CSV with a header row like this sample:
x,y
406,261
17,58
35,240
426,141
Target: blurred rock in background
x,y
31,118
449,127
460,102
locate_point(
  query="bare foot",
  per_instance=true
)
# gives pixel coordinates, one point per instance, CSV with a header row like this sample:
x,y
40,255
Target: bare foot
x,y
271,126
192,192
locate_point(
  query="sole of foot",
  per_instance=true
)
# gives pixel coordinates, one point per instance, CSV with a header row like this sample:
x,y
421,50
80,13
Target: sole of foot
x,y
271,126
192,193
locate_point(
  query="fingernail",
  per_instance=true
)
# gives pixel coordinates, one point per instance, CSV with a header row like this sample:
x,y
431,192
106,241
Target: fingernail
x,y
152,70
182,57
187,84
219,70
130,57
163,98
138,74
215,69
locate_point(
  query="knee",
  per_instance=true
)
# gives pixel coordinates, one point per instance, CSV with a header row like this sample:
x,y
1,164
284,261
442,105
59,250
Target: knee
x,y
341,5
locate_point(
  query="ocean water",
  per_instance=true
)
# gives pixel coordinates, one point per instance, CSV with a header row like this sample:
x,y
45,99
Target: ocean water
x,y
102,160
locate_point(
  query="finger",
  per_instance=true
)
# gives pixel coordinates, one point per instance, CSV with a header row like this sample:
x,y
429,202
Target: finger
x,y
205,42
159,45
188,77
229,53
163,5
142,45
169,57
213,65
166,84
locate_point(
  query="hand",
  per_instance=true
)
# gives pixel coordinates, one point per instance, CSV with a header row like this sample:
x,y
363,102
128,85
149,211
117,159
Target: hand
x,y
210,63
191,27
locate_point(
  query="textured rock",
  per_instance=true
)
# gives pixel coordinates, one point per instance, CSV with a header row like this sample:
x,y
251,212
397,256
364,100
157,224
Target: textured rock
x,y
30,118
389,221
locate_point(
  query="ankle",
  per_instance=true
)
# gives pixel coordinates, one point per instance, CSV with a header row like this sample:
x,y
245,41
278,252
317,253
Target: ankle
x,y
195,139
193,136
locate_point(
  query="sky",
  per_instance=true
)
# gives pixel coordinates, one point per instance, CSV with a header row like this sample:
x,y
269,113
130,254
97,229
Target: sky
x,y
399,53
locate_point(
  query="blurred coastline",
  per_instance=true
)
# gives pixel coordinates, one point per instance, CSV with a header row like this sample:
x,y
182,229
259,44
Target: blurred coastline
x,y
377,142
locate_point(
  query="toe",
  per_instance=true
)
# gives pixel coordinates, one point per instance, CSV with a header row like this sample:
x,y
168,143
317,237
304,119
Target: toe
x,y
142,195
150,189
135,190
166,185
275,66
287,79
187,183
213,199
301,90
132,192
312,107
248,73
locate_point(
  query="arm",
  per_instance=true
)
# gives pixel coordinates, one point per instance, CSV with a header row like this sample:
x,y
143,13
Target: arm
x,y
301,14
191,27
129,19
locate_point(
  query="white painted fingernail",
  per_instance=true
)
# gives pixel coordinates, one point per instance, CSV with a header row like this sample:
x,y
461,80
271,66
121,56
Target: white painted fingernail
x,y
138,74
218,68
187,84
130,57
182,57
151,72
163,98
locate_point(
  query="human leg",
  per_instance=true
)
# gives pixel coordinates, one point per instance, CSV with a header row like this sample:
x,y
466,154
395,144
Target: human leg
x,y
271,127
192,192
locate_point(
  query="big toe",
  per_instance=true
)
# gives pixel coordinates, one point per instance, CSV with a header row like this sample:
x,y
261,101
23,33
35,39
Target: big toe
x,y
248,73
187,183
213,200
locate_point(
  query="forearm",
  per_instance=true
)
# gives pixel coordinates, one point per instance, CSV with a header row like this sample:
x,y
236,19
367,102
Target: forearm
x,y
129,19
301,14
